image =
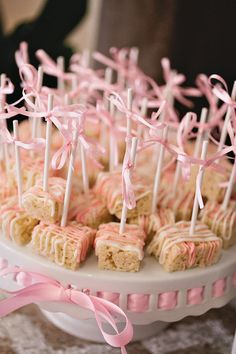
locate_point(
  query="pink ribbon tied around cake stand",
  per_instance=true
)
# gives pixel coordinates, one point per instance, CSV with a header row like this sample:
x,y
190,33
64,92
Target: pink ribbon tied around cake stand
x,y
44,289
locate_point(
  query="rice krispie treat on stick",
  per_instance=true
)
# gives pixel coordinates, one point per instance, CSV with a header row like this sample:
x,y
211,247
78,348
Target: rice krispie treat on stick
x,y
91,211
221,218
180,202
119,251
66,246
15,223
157,217
177,250
185,244
221,222
109,187
153,222
45,206
211,186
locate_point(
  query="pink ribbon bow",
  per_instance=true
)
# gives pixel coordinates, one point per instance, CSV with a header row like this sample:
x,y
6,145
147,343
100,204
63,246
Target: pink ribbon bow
x,y
21,55
174,80
7,138
122,107
220,89
50,67
44,289
206,89
8,87
92,148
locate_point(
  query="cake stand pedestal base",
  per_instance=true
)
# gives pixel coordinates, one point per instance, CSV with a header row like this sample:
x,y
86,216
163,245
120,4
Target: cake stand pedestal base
x,y
88,329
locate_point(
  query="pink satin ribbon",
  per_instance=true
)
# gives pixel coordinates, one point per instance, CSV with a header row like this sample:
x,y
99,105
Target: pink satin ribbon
x,y
21,55
50,67
118,101
44,289
174,80
92,148
7,138
206,89
220,89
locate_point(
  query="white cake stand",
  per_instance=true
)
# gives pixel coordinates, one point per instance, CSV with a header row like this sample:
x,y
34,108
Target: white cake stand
x,y
166,296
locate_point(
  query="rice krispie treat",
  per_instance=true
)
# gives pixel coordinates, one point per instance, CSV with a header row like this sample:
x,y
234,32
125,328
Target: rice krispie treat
x,y
109,188
152,223
177,250
120,252
15,223
45,206
221,222
211,185
66,246
91,211
32,171
181,203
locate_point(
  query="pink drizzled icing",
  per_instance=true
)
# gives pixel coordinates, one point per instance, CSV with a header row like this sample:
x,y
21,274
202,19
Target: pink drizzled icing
x,y
178,234
56,186
222,221
133,235
89,207
81,237
108,186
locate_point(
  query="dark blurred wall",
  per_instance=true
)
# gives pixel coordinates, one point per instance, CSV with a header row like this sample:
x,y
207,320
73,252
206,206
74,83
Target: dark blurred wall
x,y
146,24
197,35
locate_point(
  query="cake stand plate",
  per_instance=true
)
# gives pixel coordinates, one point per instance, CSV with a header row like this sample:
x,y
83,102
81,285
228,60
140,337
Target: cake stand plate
x,y
150,297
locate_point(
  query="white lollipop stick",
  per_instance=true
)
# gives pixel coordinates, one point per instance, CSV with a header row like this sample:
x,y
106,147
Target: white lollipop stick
x,y
111,141
37,121
2,102
124,208
108,80
200,177
229,187
227,119
157,178
84,170
134,54
48,146
129,106
198,142
18,162
74,86
120,76
60,80
69,179
143,113
86,58
178,166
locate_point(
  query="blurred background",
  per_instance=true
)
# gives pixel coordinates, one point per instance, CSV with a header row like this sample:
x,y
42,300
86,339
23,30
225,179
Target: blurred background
x,y
196,35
